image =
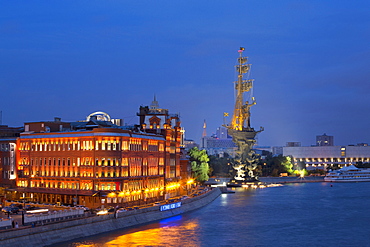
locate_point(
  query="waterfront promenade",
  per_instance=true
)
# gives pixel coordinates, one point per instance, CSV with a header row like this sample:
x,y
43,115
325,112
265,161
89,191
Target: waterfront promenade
x,y
52,233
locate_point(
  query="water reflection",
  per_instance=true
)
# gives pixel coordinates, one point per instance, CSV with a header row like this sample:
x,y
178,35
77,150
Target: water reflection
x,y
85,244
172,221
279,216
172,232
224,199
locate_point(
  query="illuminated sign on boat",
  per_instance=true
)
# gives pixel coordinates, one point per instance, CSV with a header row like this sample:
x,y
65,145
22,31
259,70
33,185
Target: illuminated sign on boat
x,y
170,206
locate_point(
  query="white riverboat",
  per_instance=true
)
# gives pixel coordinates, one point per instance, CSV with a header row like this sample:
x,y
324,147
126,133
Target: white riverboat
x,y
348,174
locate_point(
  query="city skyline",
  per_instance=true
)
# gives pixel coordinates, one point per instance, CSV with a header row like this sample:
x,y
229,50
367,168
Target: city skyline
x,y
309,59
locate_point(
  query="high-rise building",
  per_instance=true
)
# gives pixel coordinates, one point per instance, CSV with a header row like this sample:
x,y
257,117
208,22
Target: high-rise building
x,y
324,140
221,133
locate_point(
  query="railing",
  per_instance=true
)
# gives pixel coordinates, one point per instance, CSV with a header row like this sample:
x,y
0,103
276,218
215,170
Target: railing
x,y
53,216
5,223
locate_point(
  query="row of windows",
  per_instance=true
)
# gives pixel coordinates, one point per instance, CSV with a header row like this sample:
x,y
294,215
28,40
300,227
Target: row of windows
x,y
132,170
56,185
350,159
88,161
133,145
137,185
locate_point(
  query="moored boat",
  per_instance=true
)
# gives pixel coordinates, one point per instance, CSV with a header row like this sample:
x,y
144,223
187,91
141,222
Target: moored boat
x,y
348,174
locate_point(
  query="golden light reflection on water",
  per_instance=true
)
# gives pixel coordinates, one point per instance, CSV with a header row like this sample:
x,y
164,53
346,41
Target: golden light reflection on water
x,y
85,245
184,234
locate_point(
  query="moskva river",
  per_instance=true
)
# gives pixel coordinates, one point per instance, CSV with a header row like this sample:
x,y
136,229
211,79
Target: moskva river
x,y
300,214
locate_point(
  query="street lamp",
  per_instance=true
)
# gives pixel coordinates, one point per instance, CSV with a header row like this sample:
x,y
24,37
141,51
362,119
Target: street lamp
x,y
189,184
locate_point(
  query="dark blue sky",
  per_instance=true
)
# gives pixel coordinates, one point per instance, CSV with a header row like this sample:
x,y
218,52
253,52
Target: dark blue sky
x,y
310,63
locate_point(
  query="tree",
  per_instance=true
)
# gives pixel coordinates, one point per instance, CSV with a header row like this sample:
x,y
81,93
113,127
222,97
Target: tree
x,y
275,165
199,164
272,165
220,166
286,162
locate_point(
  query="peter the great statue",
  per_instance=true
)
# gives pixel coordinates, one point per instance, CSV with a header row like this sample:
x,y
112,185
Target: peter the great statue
x,y
240,127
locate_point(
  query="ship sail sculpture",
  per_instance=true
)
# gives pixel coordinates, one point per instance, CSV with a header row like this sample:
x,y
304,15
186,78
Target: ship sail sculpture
x,y
240,128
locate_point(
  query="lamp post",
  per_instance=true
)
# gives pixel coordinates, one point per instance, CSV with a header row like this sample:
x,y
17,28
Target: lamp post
x,y
189,184
24,208
23,217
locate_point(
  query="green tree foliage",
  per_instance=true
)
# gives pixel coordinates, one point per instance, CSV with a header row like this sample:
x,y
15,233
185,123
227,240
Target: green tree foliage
x,y
221,166
286,162
275,165
317,172
271,166
199,164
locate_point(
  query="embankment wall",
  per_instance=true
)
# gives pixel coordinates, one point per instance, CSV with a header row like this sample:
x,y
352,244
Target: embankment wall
x,y
65,231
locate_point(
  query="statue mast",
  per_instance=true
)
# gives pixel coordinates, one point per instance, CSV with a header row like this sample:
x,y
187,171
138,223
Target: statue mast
x,y
241,110
240,128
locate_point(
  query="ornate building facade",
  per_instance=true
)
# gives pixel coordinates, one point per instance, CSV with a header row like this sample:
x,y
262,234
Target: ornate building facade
x,y
96,162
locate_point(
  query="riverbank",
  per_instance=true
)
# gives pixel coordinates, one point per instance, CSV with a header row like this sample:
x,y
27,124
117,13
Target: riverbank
x,y
64,231
283,180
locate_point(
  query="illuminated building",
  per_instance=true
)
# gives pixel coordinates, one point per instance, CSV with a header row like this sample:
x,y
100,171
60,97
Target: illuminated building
x,y
96,162
8,139
158,121
322,157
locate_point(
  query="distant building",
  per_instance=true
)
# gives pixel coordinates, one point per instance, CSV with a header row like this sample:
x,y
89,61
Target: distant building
x,y
293,144
324,140
263,151
218,143
215,146
221,133
263,148
47,126
323,157
189,144
277,151
362,144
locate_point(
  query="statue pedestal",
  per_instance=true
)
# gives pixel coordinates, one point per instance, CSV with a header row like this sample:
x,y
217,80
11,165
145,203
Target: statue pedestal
x,y
246,159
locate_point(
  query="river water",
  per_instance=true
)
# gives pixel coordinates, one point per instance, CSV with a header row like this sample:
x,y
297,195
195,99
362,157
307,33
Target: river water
x,y
297,214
